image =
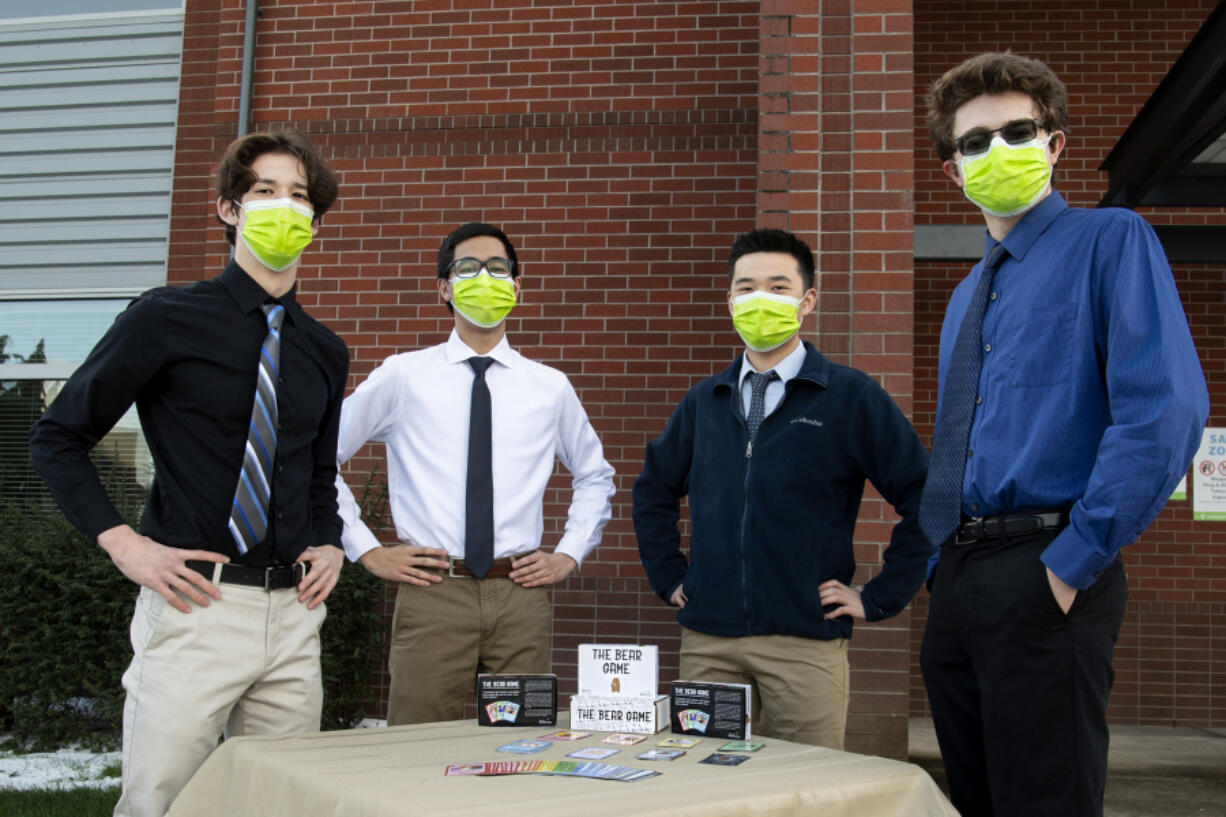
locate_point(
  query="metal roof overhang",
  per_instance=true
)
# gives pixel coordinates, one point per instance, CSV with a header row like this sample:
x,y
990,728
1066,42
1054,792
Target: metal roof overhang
x,y
1174,152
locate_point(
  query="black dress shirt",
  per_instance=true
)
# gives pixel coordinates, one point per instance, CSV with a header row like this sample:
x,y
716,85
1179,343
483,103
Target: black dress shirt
x,y
188,358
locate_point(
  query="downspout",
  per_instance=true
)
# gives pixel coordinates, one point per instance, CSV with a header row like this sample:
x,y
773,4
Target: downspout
x,y
248,80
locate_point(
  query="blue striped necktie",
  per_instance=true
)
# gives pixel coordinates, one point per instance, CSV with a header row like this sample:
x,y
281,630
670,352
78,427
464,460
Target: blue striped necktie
x,y
249,513
941,502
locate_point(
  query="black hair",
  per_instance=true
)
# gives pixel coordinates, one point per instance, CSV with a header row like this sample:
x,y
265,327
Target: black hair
x,y
446,251
780,241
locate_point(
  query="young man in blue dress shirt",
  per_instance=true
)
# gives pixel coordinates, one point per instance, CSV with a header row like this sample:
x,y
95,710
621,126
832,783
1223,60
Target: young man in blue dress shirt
x,y
773,454
1086,409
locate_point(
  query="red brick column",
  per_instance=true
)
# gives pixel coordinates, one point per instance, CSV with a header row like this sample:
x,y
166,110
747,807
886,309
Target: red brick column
x,y
835,158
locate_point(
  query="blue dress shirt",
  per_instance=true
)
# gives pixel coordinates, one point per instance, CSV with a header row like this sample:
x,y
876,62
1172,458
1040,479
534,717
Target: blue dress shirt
x,y
1092,395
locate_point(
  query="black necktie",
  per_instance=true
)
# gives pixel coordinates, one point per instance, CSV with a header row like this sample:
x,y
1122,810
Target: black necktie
x,y
249,511
479,489
941,503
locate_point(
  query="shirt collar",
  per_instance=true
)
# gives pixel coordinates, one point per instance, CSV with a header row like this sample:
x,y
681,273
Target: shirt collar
x,y
1033,224
787,368
457,351
249,295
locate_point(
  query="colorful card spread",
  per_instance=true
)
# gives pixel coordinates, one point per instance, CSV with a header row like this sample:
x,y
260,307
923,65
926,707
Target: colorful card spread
x,y
694,720
502,711
661,754
565,734
593,753
681,743
623,739
525,747
566,768
741,746
720,759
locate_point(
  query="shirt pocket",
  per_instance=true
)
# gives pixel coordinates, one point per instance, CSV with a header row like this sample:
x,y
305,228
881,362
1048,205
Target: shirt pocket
x,y
1042,346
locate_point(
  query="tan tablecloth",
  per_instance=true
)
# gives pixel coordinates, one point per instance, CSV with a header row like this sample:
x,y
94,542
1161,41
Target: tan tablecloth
x,y
399,771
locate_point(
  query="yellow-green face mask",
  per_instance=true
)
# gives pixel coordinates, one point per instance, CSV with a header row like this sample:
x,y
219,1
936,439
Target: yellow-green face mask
x,y
1007,180
482,300
277,231
765,320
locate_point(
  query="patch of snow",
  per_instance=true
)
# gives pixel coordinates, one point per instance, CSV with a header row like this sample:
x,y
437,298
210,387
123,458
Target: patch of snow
x,y
63,769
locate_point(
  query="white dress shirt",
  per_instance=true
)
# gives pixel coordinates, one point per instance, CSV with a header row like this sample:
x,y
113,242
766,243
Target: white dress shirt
x,y
417,404
787,368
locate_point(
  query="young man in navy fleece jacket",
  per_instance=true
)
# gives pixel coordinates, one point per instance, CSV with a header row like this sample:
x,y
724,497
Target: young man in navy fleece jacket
x,y
773,453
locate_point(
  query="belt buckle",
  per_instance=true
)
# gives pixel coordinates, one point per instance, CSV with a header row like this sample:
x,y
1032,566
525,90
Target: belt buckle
x,y
451,563
971,537
299,570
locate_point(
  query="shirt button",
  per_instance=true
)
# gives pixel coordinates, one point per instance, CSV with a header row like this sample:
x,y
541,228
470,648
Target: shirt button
x,y
993,296
975,508
979,400
970,454
987,347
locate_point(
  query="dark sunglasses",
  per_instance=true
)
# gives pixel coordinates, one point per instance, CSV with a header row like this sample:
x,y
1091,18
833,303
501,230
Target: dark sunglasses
x,y
978,140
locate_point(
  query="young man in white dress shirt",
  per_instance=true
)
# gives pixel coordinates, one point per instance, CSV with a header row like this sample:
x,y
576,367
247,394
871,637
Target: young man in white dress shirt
x,y
449,624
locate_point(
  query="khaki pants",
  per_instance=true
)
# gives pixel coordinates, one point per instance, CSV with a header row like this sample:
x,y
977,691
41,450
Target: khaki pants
x,y
248,664
800,685
444,634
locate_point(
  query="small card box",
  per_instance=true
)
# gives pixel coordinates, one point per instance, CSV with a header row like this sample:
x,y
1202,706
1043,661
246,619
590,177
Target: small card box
x,y
710,709
517,700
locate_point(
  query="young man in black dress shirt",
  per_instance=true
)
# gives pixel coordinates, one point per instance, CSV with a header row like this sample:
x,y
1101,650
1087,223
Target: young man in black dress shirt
x,y
245,573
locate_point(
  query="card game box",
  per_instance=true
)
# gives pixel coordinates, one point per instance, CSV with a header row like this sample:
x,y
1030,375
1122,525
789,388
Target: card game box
x,y
517,700
711,709
619,670
601,713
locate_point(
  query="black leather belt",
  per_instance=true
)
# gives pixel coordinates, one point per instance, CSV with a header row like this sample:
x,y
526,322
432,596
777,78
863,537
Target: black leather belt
x,y
268,578
1009,524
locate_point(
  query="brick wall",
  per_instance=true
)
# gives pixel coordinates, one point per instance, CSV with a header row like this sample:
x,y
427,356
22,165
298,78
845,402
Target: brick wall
x,y
622,146
1171,658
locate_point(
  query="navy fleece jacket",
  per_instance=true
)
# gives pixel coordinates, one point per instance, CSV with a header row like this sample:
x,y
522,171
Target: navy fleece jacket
x,y
771,522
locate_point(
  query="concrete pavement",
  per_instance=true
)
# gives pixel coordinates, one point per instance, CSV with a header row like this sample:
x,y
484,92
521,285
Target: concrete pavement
x,y
1153,771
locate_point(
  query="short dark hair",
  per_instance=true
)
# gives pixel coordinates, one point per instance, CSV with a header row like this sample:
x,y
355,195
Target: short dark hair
x,y
446,250
769,240
235,177
994,73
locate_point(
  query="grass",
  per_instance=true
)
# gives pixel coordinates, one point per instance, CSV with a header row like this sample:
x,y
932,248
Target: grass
x,y
54,803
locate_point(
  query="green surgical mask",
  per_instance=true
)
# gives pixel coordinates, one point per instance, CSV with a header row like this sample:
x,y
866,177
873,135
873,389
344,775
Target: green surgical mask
x,y
765,320
277,231
1008,179
482,300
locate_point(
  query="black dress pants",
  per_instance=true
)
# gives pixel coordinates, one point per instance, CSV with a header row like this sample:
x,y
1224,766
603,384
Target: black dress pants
x,y
1018,688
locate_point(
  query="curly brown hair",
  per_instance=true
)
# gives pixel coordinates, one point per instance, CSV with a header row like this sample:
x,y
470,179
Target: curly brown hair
x,y
993,73
235,177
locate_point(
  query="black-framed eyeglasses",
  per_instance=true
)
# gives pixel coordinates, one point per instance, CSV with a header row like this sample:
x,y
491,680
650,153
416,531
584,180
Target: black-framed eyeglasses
x,y
1016,132
471,267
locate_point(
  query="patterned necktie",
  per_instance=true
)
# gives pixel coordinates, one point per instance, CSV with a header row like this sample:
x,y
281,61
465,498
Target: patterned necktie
x,y
249,513
941,503
479,488
757,399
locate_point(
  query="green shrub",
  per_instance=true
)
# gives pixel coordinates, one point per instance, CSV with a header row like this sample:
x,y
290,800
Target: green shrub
x,y
64,615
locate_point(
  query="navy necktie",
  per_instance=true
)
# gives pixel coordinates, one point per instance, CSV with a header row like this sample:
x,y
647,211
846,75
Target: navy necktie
x,y
757,399
941,503
479,487
249,511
